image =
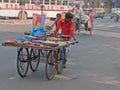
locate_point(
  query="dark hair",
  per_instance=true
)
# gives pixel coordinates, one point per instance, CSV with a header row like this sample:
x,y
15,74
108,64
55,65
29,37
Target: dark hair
x,y
58,15
69,15
90,10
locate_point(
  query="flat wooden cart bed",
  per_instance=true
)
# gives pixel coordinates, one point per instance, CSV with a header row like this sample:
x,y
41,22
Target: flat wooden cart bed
x,y
31,55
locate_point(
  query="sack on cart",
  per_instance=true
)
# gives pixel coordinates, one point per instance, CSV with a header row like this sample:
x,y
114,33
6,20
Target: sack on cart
x,y
84,19
89,24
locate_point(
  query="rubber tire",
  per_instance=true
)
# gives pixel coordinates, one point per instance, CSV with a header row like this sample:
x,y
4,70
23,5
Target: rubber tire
x,y
20,58
34,57
50,66
22,15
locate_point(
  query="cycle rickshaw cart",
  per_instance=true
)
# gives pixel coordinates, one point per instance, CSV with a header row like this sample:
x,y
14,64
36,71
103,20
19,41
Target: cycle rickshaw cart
x,y
34,50
85,24
31,54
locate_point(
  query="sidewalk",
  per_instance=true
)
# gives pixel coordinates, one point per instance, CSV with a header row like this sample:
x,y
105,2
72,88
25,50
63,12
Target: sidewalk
x,y
16,21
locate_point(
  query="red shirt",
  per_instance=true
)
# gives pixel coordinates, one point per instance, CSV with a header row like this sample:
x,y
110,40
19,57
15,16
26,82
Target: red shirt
x,y
67,29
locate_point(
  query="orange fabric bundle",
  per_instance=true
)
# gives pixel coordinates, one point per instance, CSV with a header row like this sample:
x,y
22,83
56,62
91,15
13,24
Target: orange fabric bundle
x,y
53,38
12,41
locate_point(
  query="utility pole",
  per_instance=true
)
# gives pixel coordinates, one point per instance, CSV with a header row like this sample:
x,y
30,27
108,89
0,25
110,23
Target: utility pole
x,y
98,4
88,4
22,13
113,4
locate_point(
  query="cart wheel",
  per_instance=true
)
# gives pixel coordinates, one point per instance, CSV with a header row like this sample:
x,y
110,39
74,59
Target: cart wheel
x,y
60,61
90,32
34,59
43,52
50,66
22,61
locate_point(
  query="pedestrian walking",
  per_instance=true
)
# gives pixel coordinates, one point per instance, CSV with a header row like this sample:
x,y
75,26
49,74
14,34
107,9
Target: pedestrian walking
x,y
77,16
91,15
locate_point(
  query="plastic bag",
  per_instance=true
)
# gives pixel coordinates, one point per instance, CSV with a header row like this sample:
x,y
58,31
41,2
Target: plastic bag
x,y
40,32
21,39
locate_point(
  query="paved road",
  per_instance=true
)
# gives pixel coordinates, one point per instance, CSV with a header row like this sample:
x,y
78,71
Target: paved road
x,y
94,63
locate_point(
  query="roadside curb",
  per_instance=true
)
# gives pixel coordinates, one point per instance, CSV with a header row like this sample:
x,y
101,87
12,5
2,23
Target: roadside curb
x,y
16,21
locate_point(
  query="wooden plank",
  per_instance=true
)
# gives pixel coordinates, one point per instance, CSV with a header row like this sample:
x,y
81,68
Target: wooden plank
x,y
39,46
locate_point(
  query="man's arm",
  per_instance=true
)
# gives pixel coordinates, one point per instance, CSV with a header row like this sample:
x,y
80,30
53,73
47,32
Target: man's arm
x,y
57,27
54,23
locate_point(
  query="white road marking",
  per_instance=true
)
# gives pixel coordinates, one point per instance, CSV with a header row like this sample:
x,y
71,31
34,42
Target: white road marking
x,y
111,26
99,25
11,78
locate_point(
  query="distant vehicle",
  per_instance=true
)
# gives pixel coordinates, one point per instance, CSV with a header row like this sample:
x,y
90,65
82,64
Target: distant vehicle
x,y
99,13
113,12
25,8
85,10
1,17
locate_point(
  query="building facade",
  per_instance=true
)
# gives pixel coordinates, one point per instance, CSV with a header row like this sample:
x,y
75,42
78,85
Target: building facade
x,y
107,4
115,3
94,3
102,3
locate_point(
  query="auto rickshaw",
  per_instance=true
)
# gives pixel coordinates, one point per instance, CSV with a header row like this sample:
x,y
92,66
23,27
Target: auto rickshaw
x,y
113,12
99,13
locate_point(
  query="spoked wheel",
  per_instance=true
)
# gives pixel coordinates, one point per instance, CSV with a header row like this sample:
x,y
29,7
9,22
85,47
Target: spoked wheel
x,y
50,68
60,61
43,52
23,61
34,59
22,15
91,29
90,32
116,18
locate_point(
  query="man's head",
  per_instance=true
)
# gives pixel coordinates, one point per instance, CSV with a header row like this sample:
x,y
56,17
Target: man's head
x,y
68,16
77,5
58,15
90,10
